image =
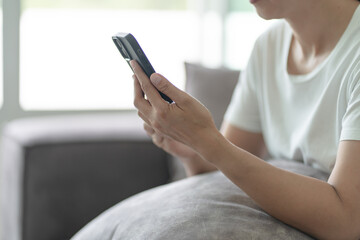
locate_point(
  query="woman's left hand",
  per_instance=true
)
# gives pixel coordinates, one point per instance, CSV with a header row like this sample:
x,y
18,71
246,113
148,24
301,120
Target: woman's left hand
x,y
185,120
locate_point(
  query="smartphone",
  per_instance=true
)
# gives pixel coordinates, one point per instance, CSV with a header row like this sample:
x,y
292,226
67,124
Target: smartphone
x,y
131,50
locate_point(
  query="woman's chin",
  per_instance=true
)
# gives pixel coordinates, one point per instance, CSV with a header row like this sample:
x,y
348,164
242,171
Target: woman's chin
x,y
267,15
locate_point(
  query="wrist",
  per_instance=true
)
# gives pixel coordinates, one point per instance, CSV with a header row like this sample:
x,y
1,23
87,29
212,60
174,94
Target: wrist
x,y
197,165
211,145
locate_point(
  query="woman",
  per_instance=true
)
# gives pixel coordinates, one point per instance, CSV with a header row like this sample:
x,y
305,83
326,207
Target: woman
x,y
299,98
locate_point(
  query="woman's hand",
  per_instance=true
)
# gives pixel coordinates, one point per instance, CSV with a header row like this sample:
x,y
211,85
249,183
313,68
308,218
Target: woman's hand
x,y
169,145
185,120
193,162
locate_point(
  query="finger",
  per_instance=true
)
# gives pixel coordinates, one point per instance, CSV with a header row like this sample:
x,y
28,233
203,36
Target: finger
x,y
138,85
148,129
166,87
144,118
139,101
157,139
151,93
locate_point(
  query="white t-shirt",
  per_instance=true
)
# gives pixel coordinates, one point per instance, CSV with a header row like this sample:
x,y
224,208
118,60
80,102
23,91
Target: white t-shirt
x,y
302,117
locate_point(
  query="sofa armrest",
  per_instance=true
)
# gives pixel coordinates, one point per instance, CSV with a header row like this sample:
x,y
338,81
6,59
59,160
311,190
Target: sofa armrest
x,y
60,172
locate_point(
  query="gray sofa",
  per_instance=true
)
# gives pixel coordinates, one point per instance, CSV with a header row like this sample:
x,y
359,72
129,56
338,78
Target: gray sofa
x,y
60,172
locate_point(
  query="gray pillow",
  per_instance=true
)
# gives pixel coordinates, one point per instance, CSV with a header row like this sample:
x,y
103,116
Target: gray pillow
x,y
206,206
211,86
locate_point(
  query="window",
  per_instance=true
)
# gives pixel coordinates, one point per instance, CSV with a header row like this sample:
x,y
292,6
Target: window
x,y
69,62
243,26
240,6
1,58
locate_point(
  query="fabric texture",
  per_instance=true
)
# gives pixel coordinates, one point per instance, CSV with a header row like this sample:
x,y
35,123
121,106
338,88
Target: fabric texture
x,y
60,172
206,206
302,117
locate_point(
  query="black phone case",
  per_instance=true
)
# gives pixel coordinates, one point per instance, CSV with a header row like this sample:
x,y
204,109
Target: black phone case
x,y
130,49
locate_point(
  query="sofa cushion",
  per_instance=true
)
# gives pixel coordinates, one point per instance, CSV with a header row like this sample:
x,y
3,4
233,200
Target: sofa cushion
x,y
206,206
212,87
59,172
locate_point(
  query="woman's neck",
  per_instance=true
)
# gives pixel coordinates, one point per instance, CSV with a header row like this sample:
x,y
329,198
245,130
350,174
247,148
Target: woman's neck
x,y
318,27
316,30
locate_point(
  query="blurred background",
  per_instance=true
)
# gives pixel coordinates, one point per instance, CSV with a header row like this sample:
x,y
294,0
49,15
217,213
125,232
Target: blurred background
x,y
58,55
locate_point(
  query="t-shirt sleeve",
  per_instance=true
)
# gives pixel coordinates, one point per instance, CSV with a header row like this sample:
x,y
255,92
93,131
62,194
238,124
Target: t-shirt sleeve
x,y
243,110
351,120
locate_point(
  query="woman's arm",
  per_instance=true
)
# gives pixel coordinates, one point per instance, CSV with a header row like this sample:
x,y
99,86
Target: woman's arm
x,y
326,210
251,142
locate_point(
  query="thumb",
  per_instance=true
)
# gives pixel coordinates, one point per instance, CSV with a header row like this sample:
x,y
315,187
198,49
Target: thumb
x,y
166,87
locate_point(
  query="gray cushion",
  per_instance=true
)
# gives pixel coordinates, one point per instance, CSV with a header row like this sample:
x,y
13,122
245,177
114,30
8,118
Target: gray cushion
x,y
212,87
206,206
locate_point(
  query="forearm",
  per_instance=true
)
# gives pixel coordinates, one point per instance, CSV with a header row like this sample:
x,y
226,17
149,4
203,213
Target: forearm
x,y
197,165
308,204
